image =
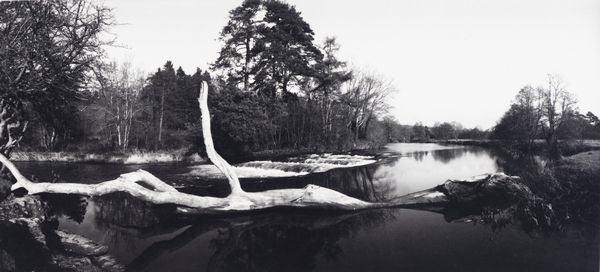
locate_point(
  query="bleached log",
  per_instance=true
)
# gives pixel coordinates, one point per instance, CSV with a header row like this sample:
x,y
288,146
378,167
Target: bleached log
x,y
310,196
214,157
150,180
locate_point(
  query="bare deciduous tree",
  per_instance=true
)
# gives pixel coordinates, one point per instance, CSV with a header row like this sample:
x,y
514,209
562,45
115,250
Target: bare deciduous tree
x,y
47,51
557,106
365,95
118,93
530,101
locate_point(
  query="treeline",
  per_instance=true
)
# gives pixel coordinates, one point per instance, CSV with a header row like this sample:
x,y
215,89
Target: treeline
x,y
418,132
547,113
272,87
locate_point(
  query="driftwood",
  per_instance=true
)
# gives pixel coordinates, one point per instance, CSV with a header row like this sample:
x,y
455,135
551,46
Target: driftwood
x,y
147,187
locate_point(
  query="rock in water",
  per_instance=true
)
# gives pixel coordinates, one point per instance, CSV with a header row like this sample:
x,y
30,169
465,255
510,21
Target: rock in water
x,y
492,187
29,243
22,207
4,188
481,189
79,245
108,263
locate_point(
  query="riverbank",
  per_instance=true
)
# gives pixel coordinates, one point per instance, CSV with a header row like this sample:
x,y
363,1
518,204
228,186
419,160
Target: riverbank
x,y
566,148
578,190
585,160
129,157
173,156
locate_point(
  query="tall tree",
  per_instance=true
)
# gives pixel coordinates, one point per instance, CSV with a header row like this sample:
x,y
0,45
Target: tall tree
x,y
332,74
267,47
365,95
118,99
558,106
286,51
530,102
48,49
236,58
158,93
444,131
420,132
540,112
522,122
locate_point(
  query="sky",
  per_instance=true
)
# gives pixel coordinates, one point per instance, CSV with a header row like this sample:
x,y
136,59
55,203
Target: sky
x,y
450,60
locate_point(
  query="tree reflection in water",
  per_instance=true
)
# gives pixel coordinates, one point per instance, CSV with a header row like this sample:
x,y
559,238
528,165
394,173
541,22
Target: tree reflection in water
x,y
284,240
71,206
447,155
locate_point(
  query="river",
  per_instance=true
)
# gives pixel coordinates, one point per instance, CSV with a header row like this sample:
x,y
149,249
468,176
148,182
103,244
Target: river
x,y
375,240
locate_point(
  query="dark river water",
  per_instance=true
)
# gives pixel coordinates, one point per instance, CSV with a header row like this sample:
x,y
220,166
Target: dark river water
x,y
375,240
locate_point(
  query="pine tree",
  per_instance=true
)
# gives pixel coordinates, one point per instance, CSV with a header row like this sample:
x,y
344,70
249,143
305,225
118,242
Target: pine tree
x,y
287,52
239,37
268,48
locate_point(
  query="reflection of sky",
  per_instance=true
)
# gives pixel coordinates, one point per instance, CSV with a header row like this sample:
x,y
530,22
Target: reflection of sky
x,y
421,169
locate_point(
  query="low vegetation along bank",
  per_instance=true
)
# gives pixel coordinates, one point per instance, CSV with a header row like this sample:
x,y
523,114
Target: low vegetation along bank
x,y
177,155
564,148
134,157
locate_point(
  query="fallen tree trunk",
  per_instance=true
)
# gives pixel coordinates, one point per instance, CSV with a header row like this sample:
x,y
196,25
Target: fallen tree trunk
x,y
145,186
136,184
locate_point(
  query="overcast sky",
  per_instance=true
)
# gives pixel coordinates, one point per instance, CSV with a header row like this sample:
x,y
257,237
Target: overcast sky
x,y
451,60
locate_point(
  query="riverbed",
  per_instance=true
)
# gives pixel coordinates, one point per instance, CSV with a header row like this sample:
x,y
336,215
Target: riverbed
x,y
377,240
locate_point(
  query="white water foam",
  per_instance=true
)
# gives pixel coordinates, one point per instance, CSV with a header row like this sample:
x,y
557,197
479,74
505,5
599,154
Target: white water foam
x,y
211,171
296,166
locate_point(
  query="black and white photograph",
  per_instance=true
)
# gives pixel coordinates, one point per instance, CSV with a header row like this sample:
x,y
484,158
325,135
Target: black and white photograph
x,y
300,135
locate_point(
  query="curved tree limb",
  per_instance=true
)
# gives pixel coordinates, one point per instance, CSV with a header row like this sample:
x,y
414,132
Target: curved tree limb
x,y
214,157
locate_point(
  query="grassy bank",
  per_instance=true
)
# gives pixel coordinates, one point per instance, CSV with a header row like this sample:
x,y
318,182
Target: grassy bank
x,y
172,156
124,157
565,148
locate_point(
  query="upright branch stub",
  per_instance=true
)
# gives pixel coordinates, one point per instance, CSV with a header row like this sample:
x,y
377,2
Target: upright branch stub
x,y
214,157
